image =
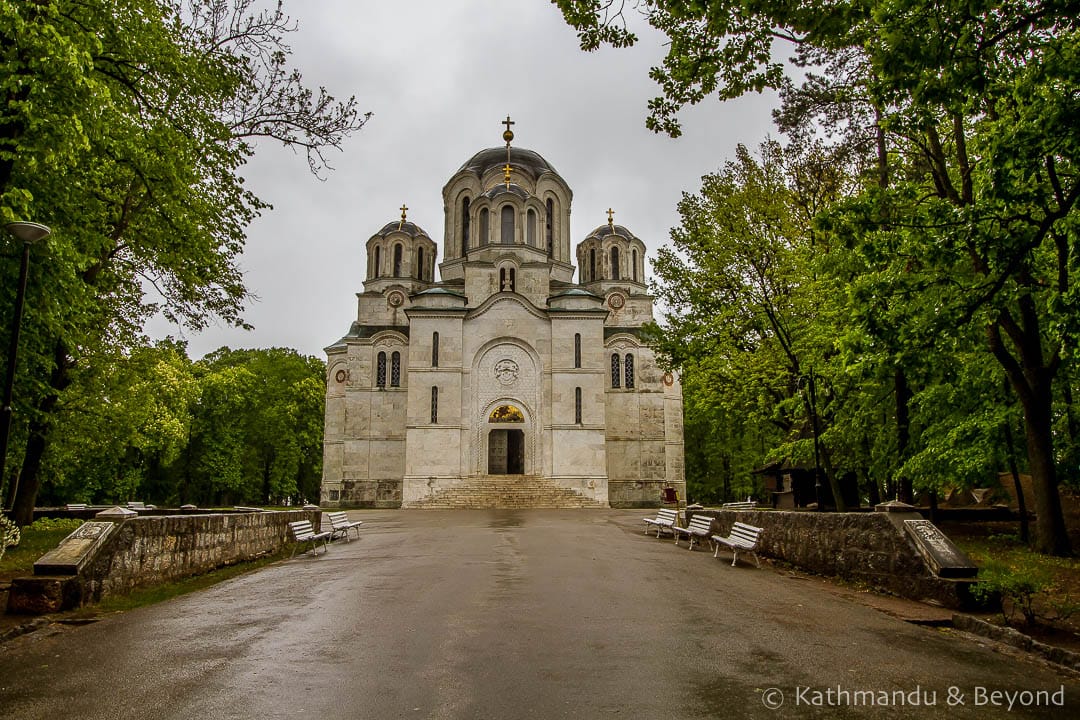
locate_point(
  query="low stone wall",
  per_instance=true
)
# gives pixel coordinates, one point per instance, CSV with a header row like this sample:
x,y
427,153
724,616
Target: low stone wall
x,y
149,550
143,551
866,547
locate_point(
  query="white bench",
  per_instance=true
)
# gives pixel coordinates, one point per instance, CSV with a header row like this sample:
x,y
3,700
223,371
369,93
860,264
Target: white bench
x,y
742,505
665,519
75,506
700,527
303,532
340,525
742,537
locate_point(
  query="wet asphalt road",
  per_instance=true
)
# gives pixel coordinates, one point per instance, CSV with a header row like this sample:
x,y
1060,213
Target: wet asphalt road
x,y
512,614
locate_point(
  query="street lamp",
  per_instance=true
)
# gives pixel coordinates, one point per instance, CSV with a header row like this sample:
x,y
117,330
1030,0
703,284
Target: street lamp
x,y
29,233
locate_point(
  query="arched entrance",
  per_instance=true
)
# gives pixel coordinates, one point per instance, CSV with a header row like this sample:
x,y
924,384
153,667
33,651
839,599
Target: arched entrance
x,y
506,443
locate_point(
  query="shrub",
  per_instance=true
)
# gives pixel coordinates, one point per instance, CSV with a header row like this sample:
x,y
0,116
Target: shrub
x,y
9,534
1016,587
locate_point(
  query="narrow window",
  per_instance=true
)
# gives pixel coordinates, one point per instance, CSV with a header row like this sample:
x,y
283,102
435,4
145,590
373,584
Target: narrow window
x,y
614,263
633,265
378,261
483,239
507,235
629,370
395,369
464,226
380,370
531,240
592,264
434,404
577,350
398,249
616,370
507,279
419,263
434,349
577,405
550,226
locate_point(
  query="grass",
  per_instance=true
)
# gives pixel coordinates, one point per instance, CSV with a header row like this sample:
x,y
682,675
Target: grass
x,y
37,539
1038,588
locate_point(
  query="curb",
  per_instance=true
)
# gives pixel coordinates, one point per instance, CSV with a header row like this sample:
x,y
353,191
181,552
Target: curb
x,y
1057,656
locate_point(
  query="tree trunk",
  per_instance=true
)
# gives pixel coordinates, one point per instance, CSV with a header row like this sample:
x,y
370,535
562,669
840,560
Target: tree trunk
x,y
1051,536
29,479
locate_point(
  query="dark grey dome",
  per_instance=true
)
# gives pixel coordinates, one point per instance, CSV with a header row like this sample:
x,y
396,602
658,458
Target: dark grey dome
x,y
606,230
410,229
495,157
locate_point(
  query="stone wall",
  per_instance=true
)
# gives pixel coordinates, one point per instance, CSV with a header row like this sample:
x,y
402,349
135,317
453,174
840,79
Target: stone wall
x,y
149,550
866,547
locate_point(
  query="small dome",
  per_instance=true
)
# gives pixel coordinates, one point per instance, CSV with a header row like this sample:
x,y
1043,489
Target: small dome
x,y
495,157
608,230
410,229
502,189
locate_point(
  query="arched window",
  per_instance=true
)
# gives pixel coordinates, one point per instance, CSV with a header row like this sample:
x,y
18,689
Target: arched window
x,y
550,226
614,263
616,370
419,263
592,264
506,414
380,370
507,234
464,225
577,405
577,350
629,371
483,239
633,265
395,369
398,249
434,404
530,240
378,262
434,349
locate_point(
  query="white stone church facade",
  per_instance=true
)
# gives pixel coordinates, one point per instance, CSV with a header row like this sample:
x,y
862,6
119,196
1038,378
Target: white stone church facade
x,y
504,383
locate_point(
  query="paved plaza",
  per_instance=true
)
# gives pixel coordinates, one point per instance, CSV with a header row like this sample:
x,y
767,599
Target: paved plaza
x,y
517,614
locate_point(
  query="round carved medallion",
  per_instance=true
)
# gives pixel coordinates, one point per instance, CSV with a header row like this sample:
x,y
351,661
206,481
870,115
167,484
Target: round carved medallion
x,y
340,376
669,379
506,372
616,301
395,299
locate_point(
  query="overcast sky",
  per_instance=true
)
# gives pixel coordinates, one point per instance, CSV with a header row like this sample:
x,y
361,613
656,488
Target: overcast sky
x,y
440,76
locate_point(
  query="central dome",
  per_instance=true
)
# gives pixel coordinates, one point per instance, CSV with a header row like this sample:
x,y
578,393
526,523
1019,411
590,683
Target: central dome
x,y
495,157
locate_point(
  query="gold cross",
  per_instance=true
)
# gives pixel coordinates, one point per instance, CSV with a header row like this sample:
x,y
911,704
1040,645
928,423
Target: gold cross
x,y
508,134
403,209
508,122
610,216
506,171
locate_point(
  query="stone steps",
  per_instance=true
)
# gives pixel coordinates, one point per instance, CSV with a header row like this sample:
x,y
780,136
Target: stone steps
x,y
506,491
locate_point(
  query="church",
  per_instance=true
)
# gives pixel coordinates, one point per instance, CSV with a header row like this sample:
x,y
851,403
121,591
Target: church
x,y
503,383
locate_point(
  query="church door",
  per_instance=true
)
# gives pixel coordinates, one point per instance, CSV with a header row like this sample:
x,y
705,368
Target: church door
x,y
515,452
506,452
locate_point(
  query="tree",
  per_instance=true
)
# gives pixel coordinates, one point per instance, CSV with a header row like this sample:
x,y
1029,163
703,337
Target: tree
x,y
977,185
125,123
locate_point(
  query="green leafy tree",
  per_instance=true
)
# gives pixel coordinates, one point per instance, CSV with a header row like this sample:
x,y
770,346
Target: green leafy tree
x,y
973,122
124,125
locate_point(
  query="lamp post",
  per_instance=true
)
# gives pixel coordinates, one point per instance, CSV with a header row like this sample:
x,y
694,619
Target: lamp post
x,y
29,233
